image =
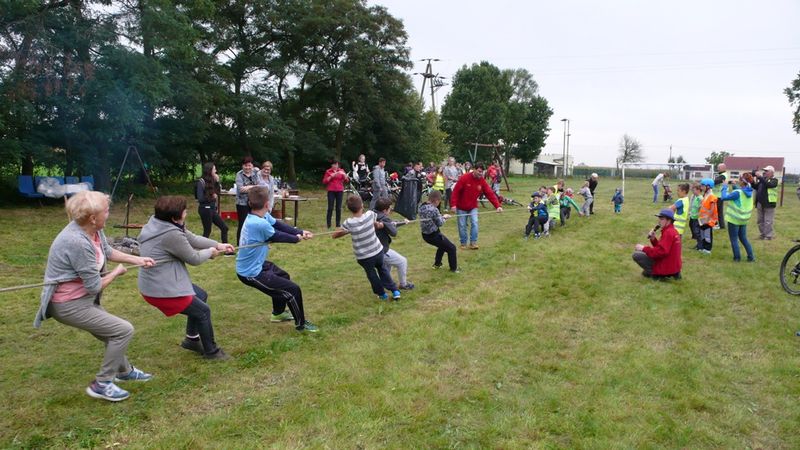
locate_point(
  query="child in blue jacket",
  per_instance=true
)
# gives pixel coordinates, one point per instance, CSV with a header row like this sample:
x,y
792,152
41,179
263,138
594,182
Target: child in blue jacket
x,y
538,217
617,200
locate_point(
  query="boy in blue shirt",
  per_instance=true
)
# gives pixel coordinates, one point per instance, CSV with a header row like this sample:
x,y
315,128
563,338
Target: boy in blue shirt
x,y
253,268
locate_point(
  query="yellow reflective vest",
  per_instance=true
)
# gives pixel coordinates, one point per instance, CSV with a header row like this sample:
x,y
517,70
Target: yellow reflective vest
x,y
738,211
681,219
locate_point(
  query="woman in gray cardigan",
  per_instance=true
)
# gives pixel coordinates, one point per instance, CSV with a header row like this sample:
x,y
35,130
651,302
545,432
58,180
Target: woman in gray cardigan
x,y
73,283
167,286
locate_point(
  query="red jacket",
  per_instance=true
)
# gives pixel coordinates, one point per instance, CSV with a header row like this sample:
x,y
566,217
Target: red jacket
x,y
468,189
665,252
335,180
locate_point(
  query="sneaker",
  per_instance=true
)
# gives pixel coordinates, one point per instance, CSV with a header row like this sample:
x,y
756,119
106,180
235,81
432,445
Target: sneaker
x,y
107,391
463,246
437,266
195,346
218,355
536,236
285,316
134,375
546,234
383,296
456,271
395,295
525,237
473,246
308,326
408,286
705,252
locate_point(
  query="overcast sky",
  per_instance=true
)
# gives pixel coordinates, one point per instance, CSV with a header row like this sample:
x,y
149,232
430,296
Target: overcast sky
x,y
702,76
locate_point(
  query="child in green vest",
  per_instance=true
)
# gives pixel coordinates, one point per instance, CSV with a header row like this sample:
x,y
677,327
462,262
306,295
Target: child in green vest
x,y
694,213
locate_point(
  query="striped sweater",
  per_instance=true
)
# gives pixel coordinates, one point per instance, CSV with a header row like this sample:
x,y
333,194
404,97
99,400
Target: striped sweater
x,y
362,231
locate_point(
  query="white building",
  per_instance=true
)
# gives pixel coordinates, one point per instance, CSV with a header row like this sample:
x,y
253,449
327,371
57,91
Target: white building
x,y
545,165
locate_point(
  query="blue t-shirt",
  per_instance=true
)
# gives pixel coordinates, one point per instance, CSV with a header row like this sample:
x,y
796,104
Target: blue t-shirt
x,y
255,230
679,207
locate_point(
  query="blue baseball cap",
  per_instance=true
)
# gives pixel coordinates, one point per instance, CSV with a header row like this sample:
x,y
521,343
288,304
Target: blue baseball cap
x,y
666,213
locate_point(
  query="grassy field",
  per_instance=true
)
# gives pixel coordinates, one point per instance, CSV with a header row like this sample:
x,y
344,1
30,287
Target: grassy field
x,y
553,343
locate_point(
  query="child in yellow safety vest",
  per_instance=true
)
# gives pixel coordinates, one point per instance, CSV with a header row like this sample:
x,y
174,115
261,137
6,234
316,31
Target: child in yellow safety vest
x,y
681,209
708,217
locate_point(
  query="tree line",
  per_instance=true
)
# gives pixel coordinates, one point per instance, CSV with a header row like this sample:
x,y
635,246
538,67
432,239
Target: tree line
x,y
299,82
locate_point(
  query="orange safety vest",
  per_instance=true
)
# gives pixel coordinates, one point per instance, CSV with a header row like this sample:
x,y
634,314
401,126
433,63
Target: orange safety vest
x,y
708,211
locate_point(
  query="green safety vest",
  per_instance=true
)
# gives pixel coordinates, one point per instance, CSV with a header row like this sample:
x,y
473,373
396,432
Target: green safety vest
x,y
718,188
681,219
772,195
738,211
554,207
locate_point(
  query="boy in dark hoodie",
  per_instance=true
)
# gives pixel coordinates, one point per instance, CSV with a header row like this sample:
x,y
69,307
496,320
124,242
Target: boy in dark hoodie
x,y
430,219
391,258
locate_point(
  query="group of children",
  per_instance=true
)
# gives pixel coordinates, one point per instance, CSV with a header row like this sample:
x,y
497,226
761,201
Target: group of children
x,y
700,212
551,205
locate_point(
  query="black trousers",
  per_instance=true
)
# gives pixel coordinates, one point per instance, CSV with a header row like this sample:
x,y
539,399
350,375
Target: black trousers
x,y
377,274
209,215
565,213
241,212
198,320
449,193
334,197
591,207
275,282
443,245
535,223
721,213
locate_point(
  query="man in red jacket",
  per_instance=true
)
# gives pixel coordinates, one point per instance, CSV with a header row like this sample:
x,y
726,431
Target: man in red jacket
x,y
662,259
464,201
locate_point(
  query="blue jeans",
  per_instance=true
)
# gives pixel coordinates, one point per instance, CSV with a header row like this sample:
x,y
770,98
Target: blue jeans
x,y
655,193
462,225
738,233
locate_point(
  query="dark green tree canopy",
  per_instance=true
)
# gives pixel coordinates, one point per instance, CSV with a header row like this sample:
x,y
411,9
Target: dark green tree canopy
x,y
488,106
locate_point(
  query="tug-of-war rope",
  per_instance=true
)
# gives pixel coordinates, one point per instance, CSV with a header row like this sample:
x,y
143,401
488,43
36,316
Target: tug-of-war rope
x,y
323,233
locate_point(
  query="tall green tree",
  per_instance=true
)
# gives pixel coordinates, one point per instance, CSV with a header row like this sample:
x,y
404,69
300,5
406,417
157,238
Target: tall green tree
x,y
476,110
793,93
717,158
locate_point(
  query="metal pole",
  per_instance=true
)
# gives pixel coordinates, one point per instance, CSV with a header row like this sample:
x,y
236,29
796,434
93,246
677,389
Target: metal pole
x,y
566,158
564,146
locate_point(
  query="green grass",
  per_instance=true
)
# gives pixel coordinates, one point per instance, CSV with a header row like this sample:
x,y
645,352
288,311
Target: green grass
x,y
553,343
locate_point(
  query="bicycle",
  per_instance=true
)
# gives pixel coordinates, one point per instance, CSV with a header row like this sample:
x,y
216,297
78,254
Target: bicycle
x,y
790,270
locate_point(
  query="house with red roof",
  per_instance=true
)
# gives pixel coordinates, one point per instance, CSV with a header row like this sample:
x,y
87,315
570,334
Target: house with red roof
x,y
738,165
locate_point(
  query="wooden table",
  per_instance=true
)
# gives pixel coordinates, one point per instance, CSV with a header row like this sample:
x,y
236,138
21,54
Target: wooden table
x,y
292,198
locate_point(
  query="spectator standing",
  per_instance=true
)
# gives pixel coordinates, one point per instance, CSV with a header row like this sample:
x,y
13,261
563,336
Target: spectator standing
x,y
269,181
207,193
246,179
656,182
451,173
719,181
380,189
334,180
592,187
360,170
766,186
737,214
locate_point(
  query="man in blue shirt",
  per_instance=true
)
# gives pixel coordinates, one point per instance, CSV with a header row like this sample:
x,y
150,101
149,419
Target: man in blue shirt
x,y
253,268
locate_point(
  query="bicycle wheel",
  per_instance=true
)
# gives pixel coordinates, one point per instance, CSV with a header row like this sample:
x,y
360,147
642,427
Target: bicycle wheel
x,y
790,271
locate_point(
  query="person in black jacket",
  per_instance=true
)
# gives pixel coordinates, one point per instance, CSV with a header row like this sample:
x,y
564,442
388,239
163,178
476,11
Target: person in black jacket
x,y
592,186
207,192
766,187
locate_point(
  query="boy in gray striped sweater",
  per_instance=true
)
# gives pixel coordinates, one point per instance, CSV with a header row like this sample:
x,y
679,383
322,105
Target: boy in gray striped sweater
x,y
367,248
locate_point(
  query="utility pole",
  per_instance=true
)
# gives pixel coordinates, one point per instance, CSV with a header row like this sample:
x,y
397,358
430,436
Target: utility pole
x,y
564,149
436,81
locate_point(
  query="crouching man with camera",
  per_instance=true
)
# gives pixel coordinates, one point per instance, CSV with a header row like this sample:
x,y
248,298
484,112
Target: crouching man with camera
x,y
662,258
